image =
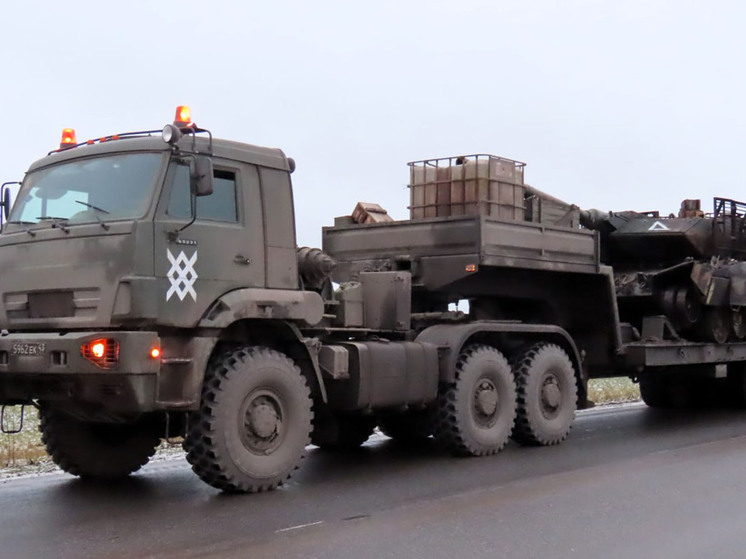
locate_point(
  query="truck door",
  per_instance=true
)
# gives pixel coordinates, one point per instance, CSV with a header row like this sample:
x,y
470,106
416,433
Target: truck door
x,y
222,250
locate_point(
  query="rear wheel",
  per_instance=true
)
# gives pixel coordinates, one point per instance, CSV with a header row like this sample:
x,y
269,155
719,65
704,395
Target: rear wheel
x,y
475,413
547,395
98,450
736,384
254,422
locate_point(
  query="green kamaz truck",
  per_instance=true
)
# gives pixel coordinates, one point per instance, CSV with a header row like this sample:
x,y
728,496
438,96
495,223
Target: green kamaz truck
x,y
152,288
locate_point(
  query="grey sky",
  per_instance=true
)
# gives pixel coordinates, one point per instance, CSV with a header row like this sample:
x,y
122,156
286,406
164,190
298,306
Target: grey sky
x,y
616,105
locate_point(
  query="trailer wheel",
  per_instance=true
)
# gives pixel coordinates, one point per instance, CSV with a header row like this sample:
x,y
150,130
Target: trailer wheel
x,y
654,393
407,427
97,450
736,384
334,432
547,395
681,393
254,421
475,413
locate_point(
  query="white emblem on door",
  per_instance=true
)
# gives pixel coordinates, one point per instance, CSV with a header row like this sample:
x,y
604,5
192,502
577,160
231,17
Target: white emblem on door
x,y
181,275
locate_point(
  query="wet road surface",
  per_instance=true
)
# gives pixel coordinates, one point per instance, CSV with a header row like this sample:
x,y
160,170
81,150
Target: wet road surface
x,y
628,482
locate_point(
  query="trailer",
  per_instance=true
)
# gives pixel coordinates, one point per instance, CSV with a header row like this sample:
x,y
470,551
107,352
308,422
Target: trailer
x,y
152,288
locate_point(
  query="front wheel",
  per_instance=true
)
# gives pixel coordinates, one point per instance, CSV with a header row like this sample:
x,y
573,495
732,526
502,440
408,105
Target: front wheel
x,y
254,422
98,450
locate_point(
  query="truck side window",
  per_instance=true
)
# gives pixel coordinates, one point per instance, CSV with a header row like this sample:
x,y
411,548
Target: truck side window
x,y
219,206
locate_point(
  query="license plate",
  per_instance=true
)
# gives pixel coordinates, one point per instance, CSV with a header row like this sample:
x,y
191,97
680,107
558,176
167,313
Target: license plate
x,y
28,349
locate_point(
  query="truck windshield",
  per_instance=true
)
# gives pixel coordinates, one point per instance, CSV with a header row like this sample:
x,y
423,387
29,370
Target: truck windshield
x,y
108,188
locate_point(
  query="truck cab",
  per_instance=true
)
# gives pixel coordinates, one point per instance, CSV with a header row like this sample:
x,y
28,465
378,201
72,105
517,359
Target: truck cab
x,y
112,224
111,256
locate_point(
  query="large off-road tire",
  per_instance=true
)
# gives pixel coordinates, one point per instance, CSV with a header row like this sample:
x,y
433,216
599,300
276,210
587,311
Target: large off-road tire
x,y
654,393
547,395
475,413
681,391
407,427
97,450
341,432
736,385
254,421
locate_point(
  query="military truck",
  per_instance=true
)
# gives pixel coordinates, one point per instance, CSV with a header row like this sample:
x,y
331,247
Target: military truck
x,y
152,288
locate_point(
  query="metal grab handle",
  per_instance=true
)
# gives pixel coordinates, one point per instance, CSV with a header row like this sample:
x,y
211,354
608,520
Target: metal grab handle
x,y
9,430
241,259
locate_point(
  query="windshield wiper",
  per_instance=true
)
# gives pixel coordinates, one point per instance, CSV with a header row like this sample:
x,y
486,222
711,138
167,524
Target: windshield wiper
x,y
87,205
96,208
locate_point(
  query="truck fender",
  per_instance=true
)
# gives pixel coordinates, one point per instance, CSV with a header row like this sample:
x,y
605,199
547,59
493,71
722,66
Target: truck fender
x,y
306,307
451,338
270,316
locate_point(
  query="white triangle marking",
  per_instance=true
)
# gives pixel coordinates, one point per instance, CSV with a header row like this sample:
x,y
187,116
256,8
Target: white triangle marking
x,y
658,226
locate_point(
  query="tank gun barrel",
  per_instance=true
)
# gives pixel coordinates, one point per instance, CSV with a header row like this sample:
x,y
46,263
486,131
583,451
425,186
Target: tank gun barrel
x,y
594,219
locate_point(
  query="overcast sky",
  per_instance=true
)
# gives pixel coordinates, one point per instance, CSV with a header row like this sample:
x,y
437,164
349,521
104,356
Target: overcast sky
x,y
615,105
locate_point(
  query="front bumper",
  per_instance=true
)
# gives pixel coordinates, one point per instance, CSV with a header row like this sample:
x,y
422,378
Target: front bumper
x,y
50,367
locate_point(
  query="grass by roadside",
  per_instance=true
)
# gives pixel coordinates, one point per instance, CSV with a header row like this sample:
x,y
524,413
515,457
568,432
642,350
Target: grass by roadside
x,y
25,452
24,449
613,391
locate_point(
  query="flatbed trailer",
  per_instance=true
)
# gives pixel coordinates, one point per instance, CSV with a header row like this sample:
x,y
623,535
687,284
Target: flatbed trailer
x,y
531,272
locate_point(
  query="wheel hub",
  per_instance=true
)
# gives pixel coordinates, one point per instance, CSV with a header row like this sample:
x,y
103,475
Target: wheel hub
x,y
551,396
262,419
486,398
262,423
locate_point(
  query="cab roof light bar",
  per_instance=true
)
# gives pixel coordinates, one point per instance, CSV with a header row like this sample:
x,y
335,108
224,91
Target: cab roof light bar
x,y
171,133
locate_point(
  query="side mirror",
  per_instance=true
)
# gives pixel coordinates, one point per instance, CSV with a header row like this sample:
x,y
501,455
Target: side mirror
x,y
6,202
200,175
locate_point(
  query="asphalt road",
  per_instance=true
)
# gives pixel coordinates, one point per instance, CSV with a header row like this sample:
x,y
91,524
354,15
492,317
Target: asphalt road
x,y
630,482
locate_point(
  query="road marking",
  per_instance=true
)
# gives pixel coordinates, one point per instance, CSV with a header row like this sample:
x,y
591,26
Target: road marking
x,y
299,526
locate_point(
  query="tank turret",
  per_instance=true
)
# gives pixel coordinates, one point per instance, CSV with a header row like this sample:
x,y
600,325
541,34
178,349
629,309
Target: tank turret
x,y
688,267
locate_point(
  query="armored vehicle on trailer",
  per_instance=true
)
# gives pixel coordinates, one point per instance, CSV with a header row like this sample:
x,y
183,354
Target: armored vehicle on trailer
x,y
152,288
690,267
